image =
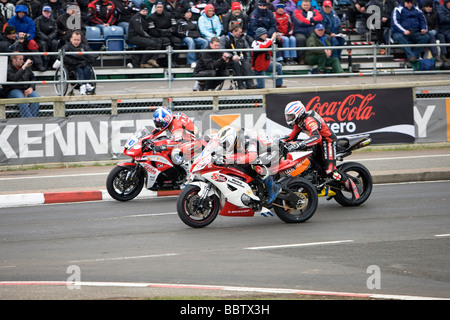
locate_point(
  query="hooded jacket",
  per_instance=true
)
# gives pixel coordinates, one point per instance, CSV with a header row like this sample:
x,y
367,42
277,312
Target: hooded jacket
x,y
25,24
262,18
209,26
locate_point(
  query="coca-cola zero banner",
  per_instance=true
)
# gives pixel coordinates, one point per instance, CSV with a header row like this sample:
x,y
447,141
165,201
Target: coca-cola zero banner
x,y
386,114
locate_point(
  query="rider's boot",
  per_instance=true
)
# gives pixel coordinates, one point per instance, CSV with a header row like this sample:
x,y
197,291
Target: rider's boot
x,y
272,189
347,182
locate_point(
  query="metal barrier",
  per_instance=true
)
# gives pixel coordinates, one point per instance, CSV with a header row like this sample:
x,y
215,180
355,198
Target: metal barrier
x,y
169,71
211,100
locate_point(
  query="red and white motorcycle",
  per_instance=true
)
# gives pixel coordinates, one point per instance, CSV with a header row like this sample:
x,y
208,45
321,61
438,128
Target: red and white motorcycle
x,y
159,163
231,190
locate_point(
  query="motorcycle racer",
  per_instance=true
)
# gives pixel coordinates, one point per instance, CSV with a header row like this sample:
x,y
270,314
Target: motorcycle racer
x,y
179,124
241,147
319,133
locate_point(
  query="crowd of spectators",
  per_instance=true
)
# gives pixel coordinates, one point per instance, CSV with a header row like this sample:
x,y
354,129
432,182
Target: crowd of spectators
x,y
47,25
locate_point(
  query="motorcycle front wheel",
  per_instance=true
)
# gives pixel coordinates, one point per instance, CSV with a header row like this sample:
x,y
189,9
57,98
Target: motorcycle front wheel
x,y
195,211
302,211
363,180
123,183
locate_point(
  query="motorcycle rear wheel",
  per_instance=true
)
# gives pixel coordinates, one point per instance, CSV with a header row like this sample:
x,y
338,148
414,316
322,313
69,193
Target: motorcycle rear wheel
x,y
189,211
298,213
119,188
363,180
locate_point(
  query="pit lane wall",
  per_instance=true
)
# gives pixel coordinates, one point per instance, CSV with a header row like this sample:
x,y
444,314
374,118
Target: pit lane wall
x,y
390,115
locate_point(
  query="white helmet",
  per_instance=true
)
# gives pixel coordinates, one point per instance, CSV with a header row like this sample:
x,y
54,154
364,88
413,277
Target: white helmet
x,y
227,138
294,112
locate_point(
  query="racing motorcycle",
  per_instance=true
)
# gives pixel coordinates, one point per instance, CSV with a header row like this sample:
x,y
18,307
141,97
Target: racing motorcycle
x,y
359,174
157,163
236,191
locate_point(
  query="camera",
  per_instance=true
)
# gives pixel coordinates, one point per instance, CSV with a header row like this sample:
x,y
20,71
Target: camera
x,y
227,55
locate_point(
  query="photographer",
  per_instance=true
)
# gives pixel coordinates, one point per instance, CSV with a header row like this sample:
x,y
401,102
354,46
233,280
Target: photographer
x,y
211,64
18,71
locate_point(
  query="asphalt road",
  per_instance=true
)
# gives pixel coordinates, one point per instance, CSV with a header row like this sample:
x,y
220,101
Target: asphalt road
x,y
397,241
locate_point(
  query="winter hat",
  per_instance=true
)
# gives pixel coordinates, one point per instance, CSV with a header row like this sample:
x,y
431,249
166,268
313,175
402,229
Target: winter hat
x,y
143,7
280,5
236,6
209,6
260,31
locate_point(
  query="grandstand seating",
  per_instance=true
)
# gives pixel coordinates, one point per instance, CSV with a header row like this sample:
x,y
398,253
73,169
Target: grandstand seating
x,y
94,38
114,38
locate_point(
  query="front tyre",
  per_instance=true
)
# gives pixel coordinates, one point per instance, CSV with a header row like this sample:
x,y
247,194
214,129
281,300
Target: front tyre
x,y
195,211
363,180
124,183
304,209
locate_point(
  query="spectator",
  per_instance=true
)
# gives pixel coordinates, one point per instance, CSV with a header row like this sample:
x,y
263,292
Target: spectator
x,y
289,5
58,7
79,63
197,7
151,6
18,71
209,23
240,61
332,25
235,16
33,6
175,7
321,57
444,20
382,32
285,30
65,29
304,20
221,7
125,10
7,39
102,13
47,35
433,31
138,36
409,26
357,10
262,17
189,32
26,29
262,61
211,64
164,27
7,9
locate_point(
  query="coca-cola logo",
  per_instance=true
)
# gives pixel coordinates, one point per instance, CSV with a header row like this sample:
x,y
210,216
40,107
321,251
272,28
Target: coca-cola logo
x,y
351,108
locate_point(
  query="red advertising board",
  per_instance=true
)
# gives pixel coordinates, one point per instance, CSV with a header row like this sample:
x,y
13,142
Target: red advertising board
x,y
387,114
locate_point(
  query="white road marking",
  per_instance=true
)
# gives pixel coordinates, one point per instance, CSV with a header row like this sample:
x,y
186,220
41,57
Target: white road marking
x,y
298,245
442,235
127,258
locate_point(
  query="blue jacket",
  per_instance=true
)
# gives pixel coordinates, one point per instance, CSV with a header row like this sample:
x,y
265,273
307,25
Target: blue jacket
x,y
209,27
262,18
404,19
444,17
25,25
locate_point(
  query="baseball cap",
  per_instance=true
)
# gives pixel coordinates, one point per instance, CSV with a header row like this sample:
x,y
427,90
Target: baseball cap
x,y
47,8
236,6
10,30
327,3
320,27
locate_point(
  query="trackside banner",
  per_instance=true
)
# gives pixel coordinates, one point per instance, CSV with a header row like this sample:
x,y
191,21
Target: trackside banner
x,y
386,114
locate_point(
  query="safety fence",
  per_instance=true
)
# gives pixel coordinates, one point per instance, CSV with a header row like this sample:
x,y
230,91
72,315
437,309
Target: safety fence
x,y
168,73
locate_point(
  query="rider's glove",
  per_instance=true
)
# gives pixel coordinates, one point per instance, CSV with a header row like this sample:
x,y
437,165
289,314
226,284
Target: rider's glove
x,y
219,161
290,147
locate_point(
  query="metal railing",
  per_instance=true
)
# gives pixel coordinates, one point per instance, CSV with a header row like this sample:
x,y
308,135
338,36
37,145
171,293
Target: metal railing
x,y
169,71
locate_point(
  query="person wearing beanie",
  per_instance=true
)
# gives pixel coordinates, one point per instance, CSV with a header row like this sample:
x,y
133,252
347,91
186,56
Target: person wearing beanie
x,y
209,23
444,20
138,35
285,29
262,60
263,17
409,26
47,35
7,39
235,16
190,34
321,58
433,31
289,5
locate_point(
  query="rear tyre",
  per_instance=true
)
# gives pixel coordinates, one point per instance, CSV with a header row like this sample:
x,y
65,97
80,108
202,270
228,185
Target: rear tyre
x,y
194,211
298,212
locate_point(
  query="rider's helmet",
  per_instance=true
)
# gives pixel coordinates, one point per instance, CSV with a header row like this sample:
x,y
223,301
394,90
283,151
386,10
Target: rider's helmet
x,y
162,118
294,112
227,138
